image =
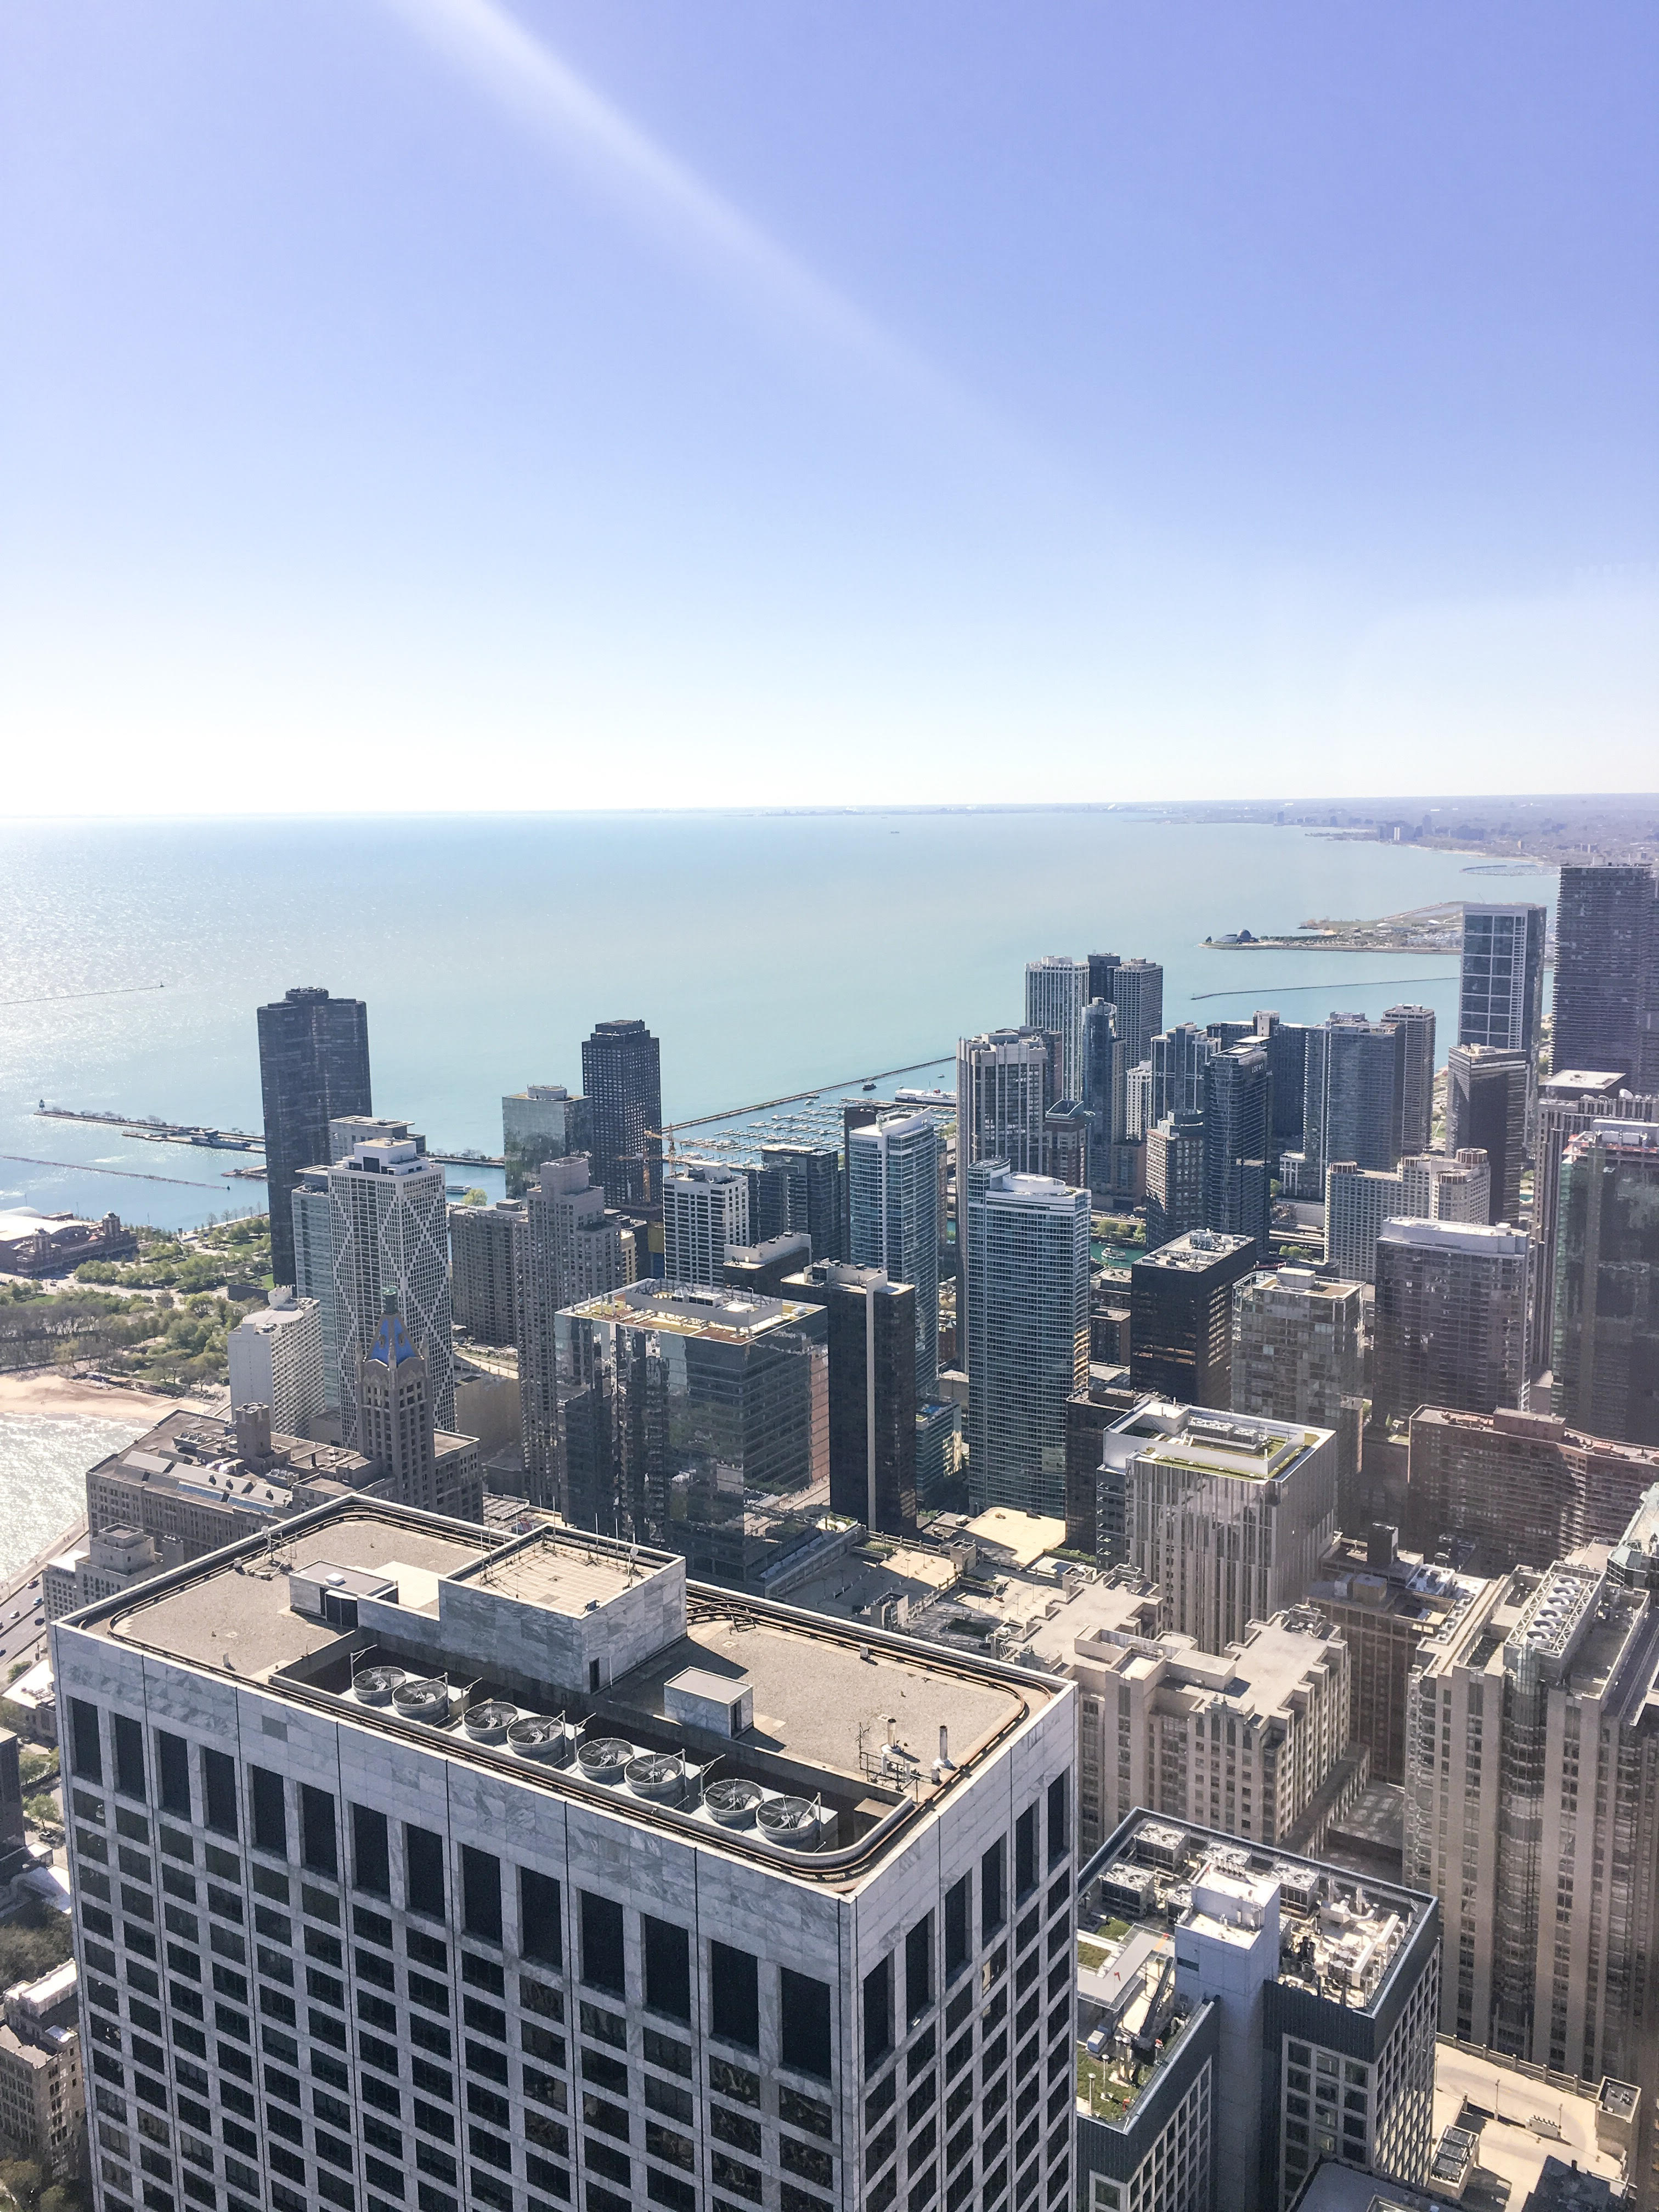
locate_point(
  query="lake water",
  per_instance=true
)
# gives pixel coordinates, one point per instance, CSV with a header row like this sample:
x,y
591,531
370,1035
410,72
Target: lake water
x,y
44,1458
768,951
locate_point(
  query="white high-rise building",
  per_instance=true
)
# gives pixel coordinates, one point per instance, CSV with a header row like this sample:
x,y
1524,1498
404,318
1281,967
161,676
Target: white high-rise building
x,y
1357,1201
389,1230
525,1875
1056,991
1446,1186
705,1212
275,1356
892,1195
312,1216
1026,1241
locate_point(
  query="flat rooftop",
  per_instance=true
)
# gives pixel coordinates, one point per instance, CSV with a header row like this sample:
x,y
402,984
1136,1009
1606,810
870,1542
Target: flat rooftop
x,y
1191,1255
1243,1444
722,1316
841,1713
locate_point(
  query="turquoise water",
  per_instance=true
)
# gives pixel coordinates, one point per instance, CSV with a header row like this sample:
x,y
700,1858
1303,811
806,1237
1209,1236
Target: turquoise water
x,y
44,1458
770,952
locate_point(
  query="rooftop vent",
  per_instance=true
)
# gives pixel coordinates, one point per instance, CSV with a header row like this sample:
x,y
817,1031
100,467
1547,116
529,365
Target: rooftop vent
x,y
374,1685
605,1759
424,1700
733,1804
489,1721
793,1824
539,1736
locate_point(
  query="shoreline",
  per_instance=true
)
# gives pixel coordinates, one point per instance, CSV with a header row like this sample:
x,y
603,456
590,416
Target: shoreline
x,y
70,1397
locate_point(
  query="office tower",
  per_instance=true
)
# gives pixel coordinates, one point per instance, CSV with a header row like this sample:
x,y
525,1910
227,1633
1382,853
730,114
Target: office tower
x,y
389,1230
1102,966
1181,1330
1027,1335
1357,1201
1137,1104
312,1215
1349,1094
1229,1515
1065,1144
541,1122
1442,1186
1500,1000
1520,1487
1413,1105
572,1248
1298,1355
894,1219
1002,1094
398,1432
1137,991
313,1064
483,1269
1298,2026
705,1212
872,1391
1103,1095
1286,1044
796,1187
1606,987
275,1356
1606,1354
1179,1058
1238,1145
1089,1413
713,1405
1575,1099
1392,1608
761,1268
1147,1738
347,1131
622,1078
1532,1764
620,1856
1451,1317
1486,1109
1056,991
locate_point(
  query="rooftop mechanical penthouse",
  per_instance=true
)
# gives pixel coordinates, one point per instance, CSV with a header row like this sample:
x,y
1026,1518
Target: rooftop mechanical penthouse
x,y
410,1871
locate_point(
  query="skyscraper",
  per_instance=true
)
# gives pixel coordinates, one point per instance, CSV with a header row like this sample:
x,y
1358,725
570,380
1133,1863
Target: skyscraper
x,y
1298,1356
389,1230
1002,1094
1607,990
1606,1363
397,1429
275,1358
1056,991
1451,1313
1349,1094
1137,992
1500,1001
313,1064
1357,1201
572,1248
1486,1093
484,1266
705,1212
872,1391
892,1169
1180,1329
1174,1178
1286,1044
1101,966
1573,1100
1179,1058
541,1122
1103,1095
1238,1145
1065,1144
1413,1076
622,1077
1442,1186
1027,1313
312,1215
798,1187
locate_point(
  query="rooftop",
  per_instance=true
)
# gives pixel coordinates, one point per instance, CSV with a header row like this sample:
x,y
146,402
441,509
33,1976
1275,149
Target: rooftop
x,y
1199,1249
1495,1239
844,1719
723,1316
1244,1445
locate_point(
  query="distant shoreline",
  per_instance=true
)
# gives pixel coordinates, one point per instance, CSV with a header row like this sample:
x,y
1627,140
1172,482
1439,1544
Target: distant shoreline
x,y
70,1397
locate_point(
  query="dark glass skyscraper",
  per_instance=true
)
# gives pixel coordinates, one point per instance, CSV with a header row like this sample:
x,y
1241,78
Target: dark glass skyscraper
x,y
1500,1000
1606,1361
1238,1145
622,1077
314,1066
1487,1108
1607,993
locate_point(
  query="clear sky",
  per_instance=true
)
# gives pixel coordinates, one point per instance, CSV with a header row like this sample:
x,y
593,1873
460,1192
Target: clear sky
x,y
415,403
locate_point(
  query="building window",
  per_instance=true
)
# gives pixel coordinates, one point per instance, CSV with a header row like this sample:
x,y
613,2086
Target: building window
x,y
173,1766
957,1945
423,1871
1026,1852
318,1847
129,1756
878,2014
85,1749
604,1957
481,1893
1060,1821
371,1851
806,2009
540,1932
919,1969
667,1968
269,1811
992,1890
219,1791
734,1994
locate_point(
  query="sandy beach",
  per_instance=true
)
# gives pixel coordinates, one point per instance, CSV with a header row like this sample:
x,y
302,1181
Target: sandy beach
x,y
44,1390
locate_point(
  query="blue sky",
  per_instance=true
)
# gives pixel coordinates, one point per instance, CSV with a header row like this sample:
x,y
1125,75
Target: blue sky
x,y
413,403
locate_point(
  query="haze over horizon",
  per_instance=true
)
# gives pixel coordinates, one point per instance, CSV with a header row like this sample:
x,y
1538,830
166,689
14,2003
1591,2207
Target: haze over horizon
x,y
441,404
